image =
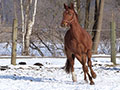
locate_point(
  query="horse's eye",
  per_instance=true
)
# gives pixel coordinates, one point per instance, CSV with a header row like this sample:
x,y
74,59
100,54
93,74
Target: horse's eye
x,y
70,14
67,12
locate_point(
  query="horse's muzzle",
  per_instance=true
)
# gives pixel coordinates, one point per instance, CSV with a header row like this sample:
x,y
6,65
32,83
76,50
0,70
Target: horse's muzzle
x,y
64,24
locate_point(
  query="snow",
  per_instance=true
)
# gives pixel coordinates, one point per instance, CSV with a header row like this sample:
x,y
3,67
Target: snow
x,y
51,76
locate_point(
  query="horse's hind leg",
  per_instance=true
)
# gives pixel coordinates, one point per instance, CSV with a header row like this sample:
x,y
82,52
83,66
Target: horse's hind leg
x,y
90,64
82,60
85,69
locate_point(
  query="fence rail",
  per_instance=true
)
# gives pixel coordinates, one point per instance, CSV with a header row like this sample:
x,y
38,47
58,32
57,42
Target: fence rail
x,y
31,57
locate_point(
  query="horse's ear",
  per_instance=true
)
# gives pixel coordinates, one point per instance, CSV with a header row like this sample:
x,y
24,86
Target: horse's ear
x,y
72,6
65,6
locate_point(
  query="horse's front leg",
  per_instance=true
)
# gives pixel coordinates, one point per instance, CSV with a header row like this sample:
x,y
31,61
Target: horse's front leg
x,y
74,77
69,66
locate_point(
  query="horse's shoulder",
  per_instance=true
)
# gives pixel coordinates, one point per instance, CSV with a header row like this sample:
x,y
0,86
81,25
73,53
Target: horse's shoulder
x,y
67,33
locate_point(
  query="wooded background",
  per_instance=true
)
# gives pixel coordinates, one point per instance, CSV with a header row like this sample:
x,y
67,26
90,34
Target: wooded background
x,y
39,31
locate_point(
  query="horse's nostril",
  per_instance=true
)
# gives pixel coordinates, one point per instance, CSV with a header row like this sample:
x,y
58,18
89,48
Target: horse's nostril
x,y
62,25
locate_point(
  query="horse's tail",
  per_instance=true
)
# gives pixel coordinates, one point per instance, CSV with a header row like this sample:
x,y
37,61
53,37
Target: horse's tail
x,y
68,65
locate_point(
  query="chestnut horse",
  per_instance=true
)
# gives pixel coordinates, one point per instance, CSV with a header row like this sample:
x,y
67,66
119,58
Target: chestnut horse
x,y
78,43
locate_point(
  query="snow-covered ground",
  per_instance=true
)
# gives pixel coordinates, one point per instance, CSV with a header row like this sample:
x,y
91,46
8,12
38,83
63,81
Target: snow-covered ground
x,y
51,76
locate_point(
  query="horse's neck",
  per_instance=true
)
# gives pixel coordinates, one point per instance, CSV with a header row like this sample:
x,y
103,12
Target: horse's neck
x,y
75,28
74,25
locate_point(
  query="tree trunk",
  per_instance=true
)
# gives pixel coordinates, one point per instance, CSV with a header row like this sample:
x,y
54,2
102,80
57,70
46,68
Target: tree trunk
x,y
78,10
87,10
14,42
119,49
3,12
113,40
14,36
99,26
28,29
96,15
23,25
69,2
27,37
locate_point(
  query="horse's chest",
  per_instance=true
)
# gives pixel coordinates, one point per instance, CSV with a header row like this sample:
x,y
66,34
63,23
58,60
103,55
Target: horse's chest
x,y
72,44
75,46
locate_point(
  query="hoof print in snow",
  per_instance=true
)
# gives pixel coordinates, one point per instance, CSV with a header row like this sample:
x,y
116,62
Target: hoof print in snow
x,y
22,63
117,71
99,64
63,67
38,64
2,68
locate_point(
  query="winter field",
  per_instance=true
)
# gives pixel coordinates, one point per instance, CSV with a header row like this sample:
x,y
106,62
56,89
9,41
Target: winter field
x,y
51,76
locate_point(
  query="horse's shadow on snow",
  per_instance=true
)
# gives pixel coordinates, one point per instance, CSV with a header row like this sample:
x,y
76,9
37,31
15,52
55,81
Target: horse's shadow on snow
x,y
32,79
15,77
110,68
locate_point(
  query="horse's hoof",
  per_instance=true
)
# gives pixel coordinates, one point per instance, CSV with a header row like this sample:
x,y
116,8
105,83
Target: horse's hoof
x,y
74,80
94,75
86,81
92,83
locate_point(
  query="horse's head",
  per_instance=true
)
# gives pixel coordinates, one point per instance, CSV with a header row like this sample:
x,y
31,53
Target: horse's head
x,y
68,15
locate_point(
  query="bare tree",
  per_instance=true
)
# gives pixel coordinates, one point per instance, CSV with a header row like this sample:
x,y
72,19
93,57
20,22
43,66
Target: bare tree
x,y
87,11
98,26
27,23
69,2
23,24
78,9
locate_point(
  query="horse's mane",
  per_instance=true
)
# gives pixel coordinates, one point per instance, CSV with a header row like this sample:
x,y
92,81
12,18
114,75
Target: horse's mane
x,y
75,13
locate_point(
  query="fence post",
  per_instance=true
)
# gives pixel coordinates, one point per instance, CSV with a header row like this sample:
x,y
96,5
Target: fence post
x,y
14,41
113,40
